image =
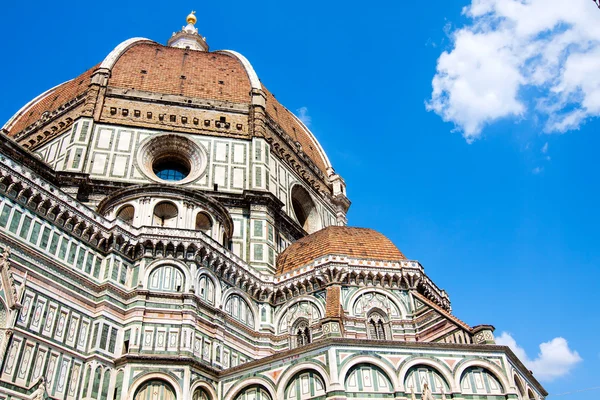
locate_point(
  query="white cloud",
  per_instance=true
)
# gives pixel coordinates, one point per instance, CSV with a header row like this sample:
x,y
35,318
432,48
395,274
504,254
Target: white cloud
x,y
545,148
554,360
302,114
521,58
537,170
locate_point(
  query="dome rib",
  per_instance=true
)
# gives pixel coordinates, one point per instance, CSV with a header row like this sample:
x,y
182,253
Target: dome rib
x,y
353,242
111,59
254,81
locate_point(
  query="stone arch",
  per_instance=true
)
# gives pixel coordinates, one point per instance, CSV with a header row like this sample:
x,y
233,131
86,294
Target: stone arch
x,y
520,386
205,272
530,394
4,314
487,365
234,291
126,213
291,372
369,378
170,262
165,213
350,303
382,364
283,311
206,387
204,222
238,388
140,380
304,208
437,365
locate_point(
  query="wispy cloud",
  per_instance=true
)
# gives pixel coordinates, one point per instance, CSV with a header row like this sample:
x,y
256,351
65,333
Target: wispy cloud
x,y
302,114
544,148
537,170
554,360
520,59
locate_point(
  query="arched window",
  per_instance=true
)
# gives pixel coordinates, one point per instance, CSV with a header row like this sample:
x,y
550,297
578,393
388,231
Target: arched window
x,y
305,385
530,395
165,214
477,380
155,389
365,378
369,300
253,393
200,394
204,223
126,214
301,310
3,315
166,278
420,375
206,289
301,333
305,210
237,307
377,326
119,384
520,387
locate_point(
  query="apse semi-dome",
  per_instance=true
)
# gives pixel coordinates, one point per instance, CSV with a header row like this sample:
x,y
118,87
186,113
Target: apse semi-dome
x,y
362,243
188,79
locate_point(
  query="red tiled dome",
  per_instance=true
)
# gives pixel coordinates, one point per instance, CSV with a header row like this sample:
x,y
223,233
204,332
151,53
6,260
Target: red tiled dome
x,y
153,68
338,240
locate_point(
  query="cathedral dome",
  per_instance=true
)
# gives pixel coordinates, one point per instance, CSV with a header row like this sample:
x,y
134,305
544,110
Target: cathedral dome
x,y
190,79
341,241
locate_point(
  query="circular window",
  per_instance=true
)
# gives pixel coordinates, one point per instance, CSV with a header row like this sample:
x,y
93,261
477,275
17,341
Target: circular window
x,y
171,159
171,169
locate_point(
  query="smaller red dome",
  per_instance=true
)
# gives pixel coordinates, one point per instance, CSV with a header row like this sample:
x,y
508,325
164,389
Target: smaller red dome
x,y
338,240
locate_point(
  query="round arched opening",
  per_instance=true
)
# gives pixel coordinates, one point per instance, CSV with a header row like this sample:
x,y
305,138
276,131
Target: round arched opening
x,y
301,334
165,214
305,210
171,168
126,214
307,384
421,379
166,278
480,381
155,389
200,394
377,325
253,393
364,378
203,223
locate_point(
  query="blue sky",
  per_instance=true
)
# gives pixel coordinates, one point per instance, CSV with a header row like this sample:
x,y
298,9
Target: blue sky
x,y
491,182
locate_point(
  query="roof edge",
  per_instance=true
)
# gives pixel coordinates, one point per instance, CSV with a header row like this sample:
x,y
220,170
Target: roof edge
x,y
254,81
111,59
30,104
315,142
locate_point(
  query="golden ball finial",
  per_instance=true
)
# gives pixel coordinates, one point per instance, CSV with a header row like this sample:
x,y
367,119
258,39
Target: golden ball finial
x,y
191,18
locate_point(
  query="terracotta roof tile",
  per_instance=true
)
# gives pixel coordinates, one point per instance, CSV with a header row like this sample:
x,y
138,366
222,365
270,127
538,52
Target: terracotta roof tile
x,y
52,101
290,125
169,70
338,240
154,68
